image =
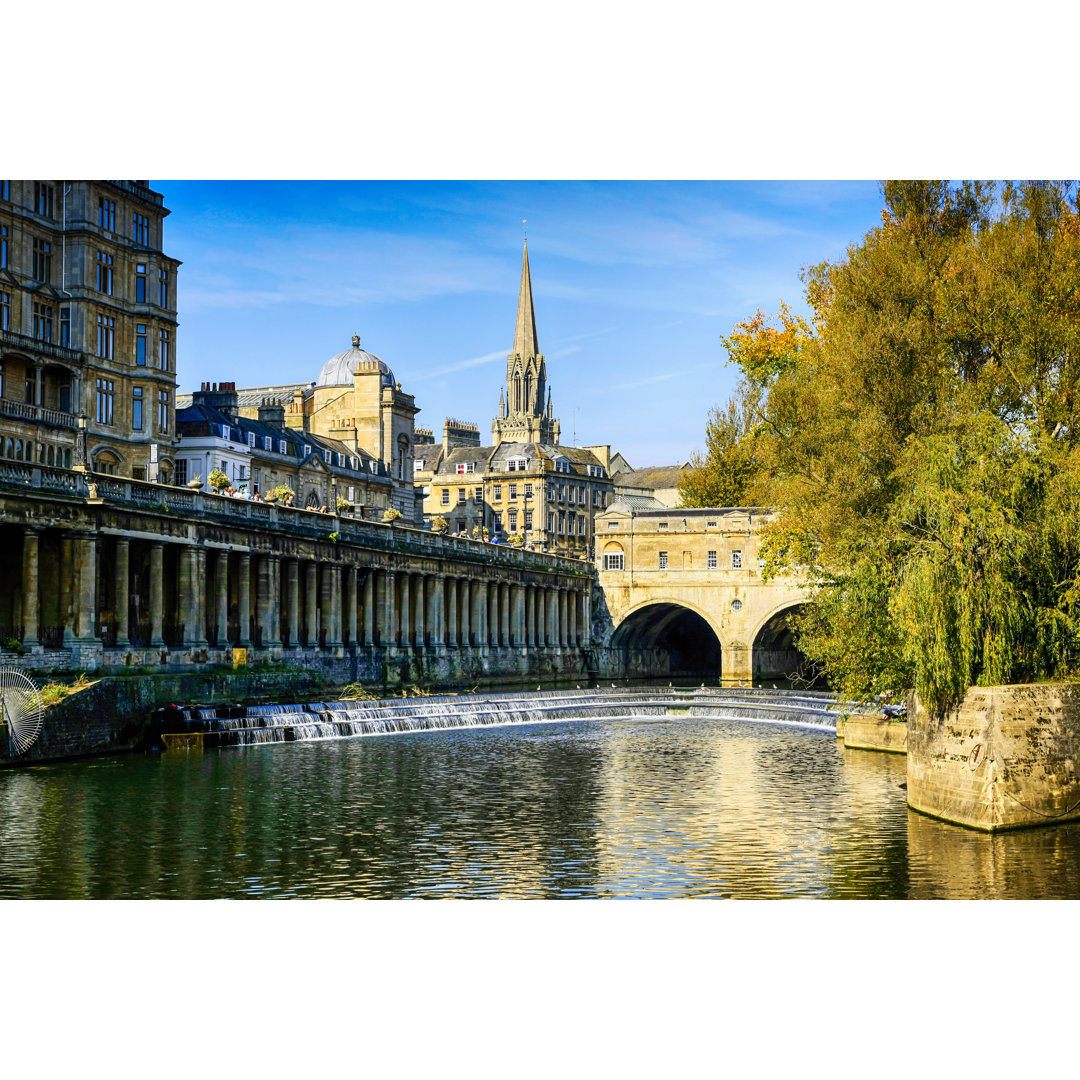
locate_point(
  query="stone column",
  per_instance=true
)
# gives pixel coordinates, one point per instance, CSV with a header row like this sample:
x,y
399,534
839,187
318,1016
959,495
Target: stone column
x,y
243,599
452,638
221,598
198,596
350,605
517,621
271,603
404,611
333,633
121,585
369,607
530,615
419,638
504,613
552,605
564,621
479,611
435,587
86,588
326,605
572,615
586,616
292,602
67,584
386,587
493,614
465,608
311,604
30,589
157,593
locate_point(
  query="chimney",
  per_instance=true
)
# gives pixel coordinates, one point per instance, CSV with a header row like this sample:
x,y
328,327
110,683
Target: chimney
x,y
271,414
223,398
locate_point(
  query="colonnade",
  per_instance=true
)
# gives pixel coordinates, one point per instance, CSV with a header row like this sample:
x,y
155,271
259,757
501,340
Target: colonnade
x,y
127,592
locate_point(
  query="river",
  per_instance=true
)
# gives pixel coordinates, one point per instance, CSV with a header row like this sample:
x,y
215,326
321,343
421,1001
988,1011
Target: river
x,y
684,806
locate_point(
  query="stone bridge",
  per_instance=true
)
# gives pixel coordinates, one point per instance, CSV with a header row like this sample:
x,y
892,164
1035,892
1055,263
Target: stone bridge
x,y
684,588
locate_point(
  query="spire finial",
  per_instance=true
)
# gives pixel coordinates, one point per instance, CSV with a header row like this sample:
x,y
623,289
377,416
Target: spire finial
x,y
356,341
524,230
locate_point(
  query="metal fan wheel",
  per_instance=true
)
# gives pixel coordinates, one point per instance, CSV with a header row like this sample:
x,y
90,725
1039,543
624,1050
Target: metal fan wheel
x,y
20,708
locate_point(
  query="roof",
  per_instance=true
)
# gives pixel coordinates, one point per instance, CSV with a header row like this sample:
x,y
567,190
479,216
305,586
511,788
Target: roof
x,y
340,369
651,478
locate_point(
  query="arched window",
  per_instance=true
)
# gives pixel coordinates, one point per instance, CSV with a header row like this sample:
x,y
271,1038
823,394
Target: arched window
x,y
51,460
18,450
105,461
614,558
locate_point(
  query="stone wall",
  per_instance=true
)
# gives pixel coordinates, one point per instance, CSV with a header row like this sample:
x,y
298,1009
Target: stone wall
x,y
113,713
1004,758
874,733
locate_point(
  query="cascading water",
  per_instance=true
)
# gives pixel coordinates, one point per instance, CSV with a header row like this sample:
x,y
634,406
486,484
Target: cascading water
x,y
255,724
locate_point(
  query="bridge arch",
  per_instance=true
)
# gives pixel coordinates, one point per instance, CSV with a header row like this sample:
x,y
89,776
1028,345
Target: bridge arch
x,y
684,634
775,653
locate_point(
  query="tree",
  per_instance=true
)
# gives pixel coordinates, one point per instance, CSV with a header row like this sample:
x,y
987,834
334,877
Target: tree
x,y
921,434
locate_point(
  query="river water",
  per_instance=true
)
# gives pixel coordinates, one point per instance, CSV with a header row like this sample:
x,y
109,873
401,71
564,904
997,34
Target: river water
x,y
664,807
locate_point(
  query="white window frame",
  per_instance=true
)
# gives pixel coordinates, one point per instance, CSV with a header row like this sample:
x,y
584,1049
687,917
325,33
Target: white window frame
x,y
614,560
736,560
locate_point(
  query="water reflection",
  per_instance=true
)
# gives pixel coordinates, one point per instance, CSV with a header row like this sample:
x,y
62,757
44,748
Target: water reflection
x,y
685,807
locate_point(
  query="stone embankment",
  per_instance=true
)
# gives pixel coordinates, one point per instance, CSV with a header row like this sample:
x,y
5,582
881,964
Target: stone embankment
x,y
1005,758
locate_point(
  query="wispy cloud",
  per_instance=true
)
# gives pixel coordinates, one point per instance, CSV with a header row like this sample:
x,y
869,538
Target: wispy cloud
x,y
458,365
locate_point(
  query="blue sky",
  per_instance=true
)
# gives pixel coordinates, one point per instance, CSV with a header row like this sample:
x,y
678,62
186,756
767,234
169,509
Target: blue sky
x,y
634,283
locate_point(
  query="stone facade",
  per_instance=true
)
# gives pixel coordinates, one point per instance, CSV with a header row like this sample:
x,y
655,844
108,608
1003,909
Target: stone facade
x,y
1004,758
526,484
355,409
128,574
87,326
687,583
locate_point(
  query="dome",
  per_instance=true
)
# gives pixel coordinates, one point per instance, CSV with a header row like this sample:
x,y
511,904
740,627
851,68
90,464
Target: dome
x,y
339,370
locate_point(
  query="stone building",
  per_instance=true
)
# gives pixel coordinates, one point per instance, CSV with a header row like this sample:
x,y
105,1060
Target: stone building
x,y
87,326
651,488
354,411
259,455
526,484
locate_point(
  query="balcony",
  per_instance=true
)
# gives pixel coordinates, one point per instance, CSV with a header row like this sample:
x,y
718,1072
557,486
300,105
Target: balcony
x,y
37,413
41,348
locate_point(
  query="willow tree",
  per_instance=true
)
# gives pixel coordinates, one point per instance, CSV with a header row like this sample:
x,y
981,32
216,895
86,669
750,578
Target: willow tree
x,y
921,431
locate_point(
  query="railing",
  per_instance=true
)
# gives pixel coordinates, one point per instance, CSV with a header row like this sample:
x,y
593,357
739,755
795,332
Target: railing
x,y
51,637
38,413
10,633
140,635
146,194
46,348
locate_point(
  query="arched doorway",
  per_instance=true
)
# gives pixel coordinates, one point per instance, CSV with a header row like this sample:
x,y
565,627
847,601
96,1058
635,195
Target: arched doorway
x,y
673,633
776,654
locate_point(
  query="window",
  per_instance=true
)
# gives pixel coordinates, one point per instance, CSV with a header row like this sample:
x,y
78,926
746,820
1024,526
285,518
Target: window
x,y
140,345
163,288
65,327
43,198
29,395
496,495
226,432
466,467
663,560
595,470
163,351
3,243
180,475
460,523
251,439
511,520
106,214
283,446
140,228
5,190
517,464
710,561
136,408
5,311
736,560
710,524
163,411
43,316
511,491
478,495
461,496
613,561
528,491
528,519
551,493
736,604
140,283
596,497
106,326
105,273
42,260
562,465
104,401
562,521
612,524
662,525
444,497
268,443
418,465
551,523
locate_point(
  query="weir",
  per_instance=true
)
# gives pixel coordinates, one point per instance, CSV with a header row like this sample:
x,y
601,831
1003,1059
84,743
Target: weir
x,y
254,724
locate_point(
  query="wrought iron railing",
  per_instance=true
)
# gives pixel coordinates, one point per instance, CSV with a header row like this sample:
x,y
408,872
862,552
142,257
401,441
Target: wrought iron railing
x,y
51,637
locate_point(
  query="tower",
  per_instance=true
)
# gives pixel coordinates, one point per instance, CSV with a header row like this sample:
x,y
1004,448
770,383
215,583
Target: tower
x,y
522,415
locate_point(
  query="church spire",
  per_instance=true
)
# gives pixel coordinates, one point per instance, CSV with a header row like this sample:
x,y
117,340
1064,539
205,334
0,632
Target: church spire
x,y
525,344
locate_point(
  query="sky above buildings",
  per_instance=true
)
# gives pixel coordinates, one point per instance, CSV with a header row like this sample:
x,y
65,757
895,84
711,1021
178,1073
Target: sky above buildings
x,y
634,284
